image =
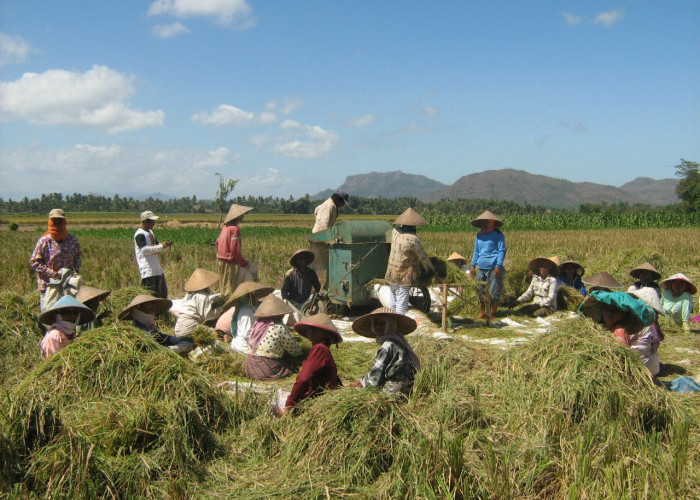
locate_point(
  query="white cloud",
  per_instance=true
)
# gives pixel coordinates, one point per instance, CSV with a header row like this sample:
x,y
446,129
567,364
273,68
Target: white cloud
x,y
13,49
94,99
169,30
571,19
225,12
362,121
218,158
318,142
609,18
285,106
226,114
430,112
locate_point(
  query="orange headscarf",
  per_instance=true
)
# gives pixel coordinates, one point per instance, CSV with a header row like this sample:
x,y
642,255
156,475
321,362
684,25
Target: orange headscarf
x,y
57,233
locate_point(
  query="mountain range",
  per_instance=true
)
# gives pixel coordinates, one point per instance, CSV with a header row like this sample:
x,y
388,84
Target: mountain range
x,y
509,185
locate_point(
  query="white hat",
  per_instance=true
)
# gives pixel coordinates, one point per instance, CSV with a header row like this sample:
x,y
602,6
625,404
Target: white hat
x,y
148,215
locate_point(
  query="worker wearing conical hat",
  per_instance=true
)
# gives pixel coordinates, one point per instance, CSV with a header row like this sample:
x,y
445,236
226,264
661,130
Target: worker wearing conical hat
x,y
198,305
646,275
228,249
489,255
407,260
543,287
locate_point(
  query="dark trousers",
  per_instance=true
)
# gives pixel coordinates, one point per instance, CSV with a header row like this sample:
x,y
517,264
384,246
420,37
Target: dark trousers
x,y
157,285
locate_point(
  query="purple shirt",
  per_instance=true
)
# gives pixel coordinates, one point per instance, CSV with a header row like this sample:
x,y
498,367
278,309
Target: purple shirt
x,y
49,256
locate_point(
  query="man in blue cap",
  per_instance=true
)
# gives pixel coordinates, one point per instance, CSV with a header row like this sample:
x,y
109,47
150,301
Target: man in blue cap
x,y
326,214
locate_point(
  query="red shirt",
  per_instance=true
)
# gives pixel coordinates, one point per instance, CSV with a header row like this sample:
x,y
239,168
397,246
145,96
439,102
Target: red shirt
x,y
228,246
318,373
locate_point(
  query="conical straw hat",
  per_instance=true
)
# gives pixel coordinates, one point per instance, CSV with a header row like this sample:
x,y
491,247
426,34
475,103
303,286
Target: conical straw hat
x,y
552,263
235,212
455,256
257,289
162,305
647,266
487,215
88,293
410,218
579,268
651,297
301,251
692,289
272,306
602,280
201,279
67,302
363,324
320,322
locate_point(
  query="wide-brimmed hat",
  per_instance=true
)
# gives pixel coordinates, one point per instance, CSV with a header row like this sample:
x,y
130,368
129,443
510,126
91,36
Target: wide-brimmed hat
x,y
148,215
57,213
579,268
67,302
301,252
272,306
645,267
235,211
410,218
637,313
552,263
602,280
162,305
320,322
363,324
651,297
87,293
247,287
692,289
487,215
454,256
201,279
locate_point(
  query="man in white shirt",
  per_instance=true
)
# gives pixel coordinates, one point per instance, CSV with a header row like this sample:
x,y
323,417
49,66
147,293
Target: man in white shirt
x,y
147,248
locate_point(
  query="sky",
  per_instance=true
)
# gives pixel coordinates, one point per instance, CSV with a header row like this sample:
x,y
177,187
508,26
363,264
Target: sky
x,y
136,97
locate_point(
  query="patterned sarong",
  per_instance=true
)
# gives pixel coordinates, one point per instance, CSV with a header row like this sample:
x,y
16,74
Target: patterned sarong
x,y
262,368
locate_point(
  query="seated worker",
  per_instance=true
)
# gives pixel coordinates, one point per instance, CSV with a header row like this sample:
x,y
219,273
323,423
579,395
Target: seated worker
x,y
543,288
237,320
318,371
63,316
142,311
603,282
92,297
647,276
274,353
395,363
647,341
625,316
570,274
199,305
677,300
459,261
300,280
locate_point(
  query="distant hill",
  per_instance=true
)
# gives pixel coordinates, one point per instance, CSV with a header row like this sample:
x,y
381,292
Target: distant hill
x,y
394,184
652,191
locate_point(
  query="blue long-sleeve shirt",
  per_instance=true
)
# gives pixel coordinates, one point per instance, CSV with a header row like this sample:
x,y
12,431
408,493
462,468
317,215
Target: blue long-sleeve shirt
x,y
489,250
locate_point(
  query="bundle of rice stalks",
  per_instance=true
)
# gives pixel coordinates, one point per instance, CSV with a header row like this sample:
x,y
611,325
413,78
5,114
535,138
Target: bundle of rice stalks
x,y
76,422
20,335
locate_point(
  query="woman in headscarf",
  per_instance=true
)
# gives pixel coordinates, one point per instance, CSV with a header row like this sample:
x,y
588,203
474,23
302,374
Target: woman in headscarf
x,y
395,363
677,299
274,353
55,250
407,260
63,316
199,305
228,249
489,254
318,371
235,323
142,311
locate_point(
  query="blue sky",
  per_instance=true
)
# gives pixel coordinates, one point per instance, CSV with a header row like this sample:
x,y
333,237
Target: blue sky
x,y
289,98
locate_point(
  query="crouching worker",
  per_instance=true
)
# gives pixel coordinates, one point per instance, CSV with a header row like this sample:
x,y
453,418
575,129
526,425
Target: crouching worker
x,y
198,306
318,372
274,354
301,280
627,317
395,364
63,316
235,323
142,311
543,288
92,297
677,299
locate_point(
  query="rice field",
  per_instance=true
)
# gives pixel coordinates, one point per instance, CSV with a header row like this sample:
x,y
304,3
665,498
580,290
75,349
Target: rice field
x,y
569,414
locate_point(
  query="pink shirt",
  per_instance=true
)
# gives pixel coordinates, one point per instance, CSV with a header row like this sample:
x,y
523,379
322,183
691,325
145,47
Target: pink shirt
x,y
228,246
53,341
